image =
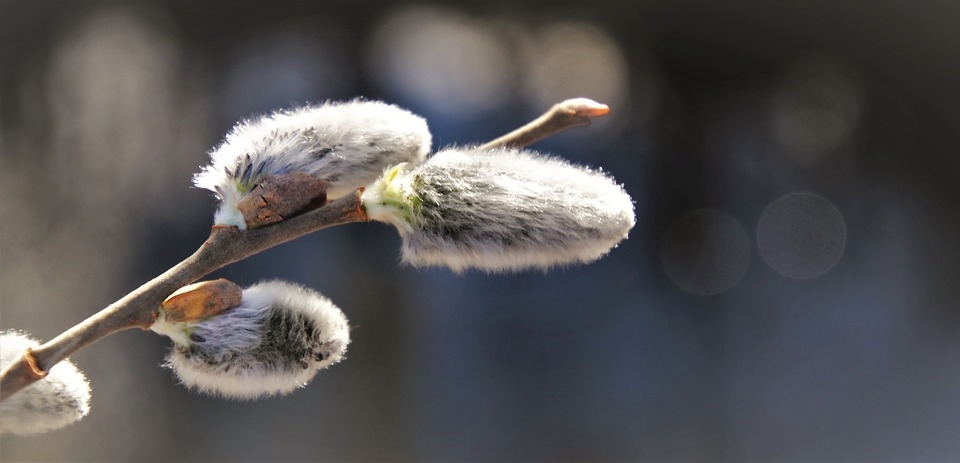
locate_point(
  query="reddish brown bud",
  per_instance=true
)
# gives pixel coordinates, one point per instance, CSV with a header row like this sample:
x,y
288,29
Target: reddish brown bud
x,y
201,300
278,197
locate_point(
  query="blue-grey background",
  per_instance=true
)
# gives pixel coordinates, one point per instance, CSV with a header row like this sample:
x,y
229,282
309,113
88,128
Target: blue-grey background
x,y
789,292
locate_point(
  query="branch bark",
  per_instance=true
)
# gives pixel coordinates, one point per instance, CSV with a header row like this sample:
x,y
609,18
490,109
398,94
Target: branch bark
x,y
227,245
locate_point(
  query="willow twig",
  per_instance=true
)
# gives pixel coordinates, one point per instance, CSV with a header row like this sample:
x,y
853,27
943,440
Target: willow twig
x,y
227,245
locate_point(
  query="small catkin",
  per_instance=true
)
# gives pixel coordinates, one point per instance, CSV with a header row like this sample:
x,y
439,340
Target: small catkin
x,y
500,210
279,337
347,144
59,399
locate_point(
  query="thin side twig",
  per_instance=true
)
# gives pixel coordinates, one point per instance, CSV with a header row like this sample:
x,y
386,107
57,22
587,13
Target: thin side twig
x,y
575,112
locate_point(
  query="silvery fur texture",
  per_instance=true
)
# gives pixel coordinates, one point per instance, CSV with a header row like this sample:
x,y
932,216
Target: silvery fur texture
x,y
59,399
280,336
347,144
500,210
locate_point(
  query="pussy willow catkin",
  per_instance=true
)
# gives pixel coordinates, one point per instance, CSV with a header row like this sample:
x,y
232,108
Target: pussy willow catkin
x,y
347,144
279,337
59,399
500,210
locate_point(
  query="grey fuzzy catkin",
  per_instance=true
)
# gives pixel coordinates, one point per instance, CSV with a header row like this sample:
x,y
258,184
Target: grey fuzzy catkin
x,y
59,399
347,144
279,337
500,210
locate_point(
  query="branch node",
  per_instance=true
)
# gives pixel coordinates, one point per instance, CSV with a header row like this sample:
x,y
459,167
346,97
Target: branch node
x,y
220,232
360,213
31,361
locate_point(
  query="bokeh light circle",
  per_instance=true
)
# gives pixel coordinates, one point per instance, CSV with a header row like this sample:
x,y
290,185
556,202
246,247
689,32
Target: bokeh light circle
x,y
801,235
705,252
277,66
816,109
443,60
575,59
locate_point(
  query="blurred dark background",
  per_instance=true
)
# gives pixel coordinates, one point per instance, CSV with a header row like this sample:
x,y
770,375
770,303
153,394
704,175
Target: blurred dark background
x,y
789,292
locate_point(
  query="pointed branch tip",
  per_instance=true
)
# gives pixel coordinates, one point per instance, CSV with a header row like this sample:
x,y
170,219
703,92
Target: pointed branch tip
x,y
584,107
574,112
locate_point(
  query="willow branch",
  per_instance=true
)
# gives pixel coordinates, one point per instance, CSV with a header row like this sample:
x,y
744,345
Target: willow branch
x,y
575,112
227,244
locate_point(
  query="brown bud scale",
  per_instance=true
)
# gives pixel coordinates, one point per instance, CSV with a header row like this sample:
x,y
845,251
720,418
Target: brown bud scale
x,y
201,300
276,197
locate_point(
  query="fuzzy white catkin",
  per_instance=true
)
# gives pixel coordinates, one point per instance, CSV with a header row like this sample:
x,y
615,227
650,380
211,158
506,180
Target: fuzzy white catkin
x,y
59,399
500,210
347,144
279,337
